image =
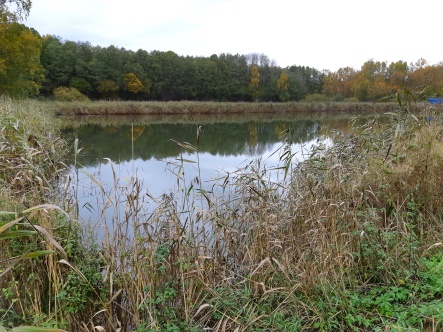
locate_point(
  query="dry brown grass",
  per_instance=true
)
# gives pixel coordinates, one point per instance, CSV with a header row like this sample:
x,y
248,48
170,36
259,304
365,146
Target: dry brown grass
x,y
31,155
371,200
30,150
190,107
358,213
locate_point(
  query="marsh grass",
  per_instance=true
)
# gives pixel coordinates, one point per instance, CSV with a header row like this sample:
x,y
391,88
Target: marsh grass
x,y
349,240
30,150
344,243
32,231
191,107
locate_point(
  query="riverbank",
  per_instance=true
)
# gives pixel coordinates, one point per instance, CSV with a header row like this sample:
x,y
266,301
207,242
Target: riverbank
x,y
351,240
188,107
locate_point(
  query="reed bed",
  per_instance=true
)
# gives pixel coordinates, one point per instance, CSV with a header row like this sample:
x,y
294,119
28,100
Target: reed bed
x,y
191,107
304,254
33,232
30,149
348,240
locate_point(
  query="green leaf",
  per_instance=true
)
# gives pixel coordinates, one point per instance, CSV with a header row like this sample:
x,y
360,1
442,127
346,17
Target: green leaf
x,y
9,225
16,234
189,190
38,253
399,99
36,329
7,212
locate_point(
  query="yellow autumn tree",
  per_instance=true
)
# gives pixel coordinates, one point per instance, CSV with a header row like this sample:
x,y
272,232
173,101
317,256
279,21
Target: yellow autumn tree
x,y
339,83
283,81
429,78
132,83
255,81
283,86
20,69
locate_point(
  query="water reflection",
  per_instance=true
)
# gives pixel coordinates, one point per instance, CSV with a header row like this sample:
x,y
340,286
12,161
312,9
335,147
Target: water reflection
x,y
149,151
129,142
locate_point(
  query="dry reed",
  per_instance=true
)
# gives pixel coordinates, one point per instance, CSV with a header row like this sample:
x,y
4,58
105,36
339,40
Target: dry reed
x,y
191,107
357,213
342,214
31,155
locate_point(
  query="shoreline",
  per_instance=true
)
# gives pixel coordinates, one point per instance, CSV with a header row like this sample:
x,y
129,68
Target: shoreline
x,y
192,107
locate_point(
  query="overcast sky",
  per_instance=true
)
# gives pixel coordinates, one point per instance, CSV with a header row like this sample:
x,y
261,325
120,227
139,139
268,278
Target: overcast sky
x,y
323,34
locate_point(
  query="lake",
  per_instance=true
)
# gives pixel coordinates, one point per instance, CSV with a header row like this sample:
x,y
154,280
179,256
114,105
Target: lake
x,y
165,157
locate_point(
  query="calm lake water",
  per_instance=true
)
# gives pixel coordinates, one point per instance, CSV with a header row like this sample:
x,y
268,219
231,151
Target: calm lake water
x,y
115,150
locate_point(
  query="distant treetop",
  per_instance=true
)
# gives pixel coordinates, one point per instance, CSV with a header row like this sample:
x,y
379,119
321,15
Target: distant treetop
x,y
19,9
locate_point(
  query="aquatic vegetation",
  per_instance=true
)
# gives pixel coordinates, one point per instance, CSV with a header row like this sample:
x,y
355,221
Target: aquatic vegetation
x,y
349,240
193,107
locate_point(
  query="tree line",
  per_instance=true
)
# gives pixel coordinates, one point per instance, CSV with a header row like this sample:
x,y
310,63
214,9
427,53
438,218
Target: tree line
x,y
377,80
118,73
31,64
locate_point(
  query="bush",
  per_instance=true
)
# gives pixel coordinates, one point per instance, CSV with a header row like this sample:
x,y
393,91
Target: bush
x,y
68,94
316,97
351,100
338,97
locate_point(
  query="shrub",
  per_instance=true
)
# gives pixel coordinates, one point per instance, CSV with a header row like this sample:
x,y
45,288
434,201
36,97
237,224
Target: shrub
x,y
68,94
351,100
338,97
316,97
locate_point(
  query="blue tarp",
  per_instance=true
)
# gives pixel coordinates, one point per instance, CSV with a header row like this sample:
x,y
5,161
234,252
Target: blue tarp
x,y
435,100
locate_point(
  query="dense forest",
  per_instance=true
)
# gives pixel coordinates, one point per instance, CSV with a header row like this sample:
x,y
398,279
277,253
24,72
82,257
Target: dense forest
x,y
49,66
117,73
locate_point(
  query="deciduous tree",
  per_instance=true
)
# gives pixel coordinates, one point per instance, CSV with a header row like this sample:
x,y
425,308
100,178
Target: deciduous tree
x,y
58,61
283,86
283,81
20,70
398,74
108,88
254,81
132,83
19,9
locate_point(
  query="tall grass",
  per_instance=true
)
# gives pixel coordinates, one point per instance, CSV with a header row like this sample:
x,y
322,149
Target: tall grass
x,y
190,107
350,240
30,148
31,155
358,217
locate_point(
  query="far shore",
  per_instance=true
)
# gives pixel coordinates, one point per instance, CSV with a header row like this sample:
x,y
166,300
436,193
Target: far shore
x,y
193,107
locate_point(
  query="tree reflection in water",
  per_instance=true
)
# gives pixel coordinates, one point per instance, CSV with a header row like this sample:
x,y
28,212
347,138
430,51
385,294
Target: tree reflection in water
x,y
150,153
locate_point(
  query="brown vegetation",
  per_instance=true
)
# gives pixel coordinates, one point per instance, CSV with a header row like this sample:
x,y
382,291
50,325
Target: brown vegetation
x,y
339,245
349,217
185,107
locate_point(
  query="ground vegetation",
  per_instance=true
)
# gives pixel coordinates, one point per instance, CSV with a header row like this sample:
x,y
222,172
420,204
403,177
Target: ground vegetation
x,y
350,240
